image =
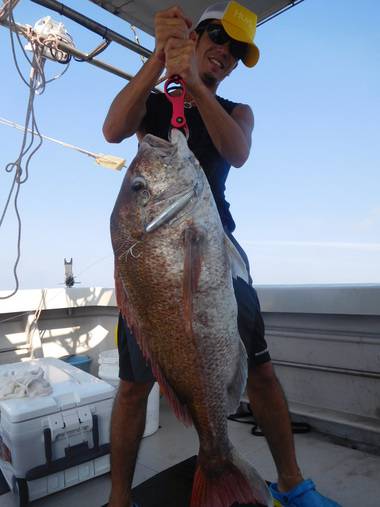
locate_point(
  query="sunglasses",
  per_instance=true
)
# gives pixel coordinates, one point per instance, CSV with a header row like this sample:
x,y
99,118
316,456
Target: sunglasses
x,y
219,36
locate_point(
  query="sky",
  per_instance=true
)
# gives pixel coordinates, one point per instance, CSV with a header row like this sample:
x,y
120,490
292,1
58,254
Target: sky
x,y
307,201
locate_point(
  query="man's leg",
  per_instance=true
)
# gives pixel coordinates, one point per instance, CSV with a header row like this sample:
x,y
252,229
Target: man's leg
x,y
127,427
270,409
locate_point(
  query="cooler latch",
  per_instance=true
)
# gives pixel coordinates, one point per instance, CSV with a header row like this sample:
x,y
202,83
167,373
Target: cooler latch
x,y
71,420
75,453
85,418
56,425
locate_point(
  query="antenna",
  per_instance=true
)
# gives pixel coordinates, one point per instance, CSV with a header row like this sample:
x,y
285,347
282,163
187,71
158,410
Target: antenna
x,y
69,276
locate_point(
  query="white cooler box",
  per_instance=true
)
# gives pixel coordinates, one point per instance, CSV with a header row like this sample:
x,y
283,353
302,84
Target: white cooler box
x,y
49,443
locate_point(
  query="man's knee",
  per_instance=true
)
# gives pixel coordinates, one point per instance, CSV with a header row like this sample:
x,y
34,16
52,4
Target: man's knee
x,y
133,393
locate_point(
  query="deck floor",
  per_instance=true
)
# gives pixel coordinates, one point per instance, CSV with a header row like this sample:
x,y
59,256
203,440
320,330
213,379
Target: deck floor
x,y
351,477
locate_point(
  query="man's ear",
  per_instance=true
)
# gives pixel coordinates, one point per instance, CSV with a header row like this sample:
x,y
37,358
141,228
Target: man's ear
x,y
193,35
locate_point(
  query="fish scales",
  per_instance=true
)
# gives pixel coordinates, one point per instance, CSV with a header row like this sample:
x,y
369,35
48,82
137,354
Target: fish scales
x,y
174,287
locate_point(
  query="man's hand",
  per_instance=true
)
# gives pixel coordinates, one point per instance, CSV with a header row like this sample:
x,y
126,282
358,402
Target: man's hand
x,y
180,60
170,23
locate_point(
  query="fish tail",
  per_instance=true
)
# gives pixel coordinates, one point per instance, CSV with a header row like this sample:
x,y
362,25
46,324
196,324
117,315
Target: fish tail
x,y
237,484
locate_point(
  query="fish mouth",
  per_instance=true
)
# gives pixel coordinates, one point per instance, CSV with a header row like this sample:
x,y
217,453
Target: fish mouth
x,y
158,143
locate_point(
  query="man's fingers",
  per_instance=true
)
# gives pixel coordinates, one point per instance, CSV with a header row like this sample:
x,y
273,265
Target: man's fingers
x,y
178,54
176,33
173,16
173,12
189,23
176,43
171,24
171,27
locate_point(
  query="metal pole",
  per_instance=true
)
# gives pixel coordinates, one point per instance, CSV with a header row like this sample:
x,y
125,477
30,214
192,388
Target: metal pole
x,y
94,26
73,51
93,61
86,57
292,3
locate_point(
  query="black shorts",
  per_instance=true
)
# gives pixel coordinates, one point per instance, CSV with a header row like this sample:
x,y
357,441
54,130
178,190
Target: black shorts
x,y
134,368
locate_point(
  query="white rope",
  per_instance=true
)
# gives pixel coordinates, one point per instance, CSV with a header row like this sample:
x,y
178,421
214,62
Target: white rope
x,y
36,84
8,6
15,125
109,161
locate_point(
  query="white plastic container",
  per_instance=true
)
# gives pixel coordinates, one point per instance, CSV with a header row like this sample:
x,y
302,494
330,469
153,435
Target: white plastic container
x,y
109,371
59,440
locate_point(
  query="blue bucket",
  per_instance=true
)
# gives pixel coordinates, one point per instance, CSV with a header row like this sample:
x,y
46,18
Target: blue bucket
x,y
80,361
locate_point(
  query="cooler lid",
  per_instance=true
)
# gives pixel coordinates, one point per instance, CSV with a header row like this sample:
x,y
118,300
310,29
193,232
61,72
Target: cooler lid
x,y
71,386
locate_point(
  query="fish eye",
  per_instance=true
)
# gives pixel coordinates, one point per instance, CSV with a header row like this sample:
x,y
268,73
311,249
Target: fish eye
x,y
138,183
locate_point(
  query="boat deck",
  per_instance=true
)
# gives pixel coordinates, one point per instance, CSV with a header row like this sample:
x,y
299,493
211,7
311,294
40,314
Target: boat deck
x,y
349,476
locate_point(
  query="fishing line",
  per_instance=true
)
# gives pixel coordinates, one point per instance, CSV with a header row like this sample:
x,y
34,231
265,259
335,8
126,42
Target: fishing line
x,y
98,261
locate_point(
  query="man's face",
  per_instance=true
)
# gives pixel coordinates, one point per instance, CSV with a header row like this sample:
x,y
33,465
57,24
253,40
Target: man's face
x,y
215,61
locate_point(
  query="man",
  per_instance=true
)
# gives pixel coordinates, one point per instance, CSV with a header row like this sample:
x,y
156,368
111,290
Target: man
x,y
220,137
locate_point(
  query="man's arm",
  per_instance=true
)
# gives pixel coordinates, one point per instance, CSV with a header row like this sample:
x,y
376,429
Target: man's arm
x,y
128,109
230,134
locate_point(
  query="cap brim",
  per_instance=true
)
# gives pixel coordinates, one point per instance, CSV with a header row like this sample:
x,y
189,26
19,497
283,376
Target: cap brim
x,y
253,53
252,56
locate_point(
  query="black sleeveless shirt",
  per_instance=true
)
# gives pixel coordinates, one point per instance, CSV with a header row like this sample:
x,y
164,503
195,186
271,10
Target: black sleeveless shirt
x,y
157,122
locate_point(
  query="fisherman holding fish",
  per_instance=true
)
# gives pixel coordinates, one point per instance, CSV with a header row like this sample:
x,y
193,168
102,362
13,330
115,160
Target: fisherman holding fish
x,y
219,137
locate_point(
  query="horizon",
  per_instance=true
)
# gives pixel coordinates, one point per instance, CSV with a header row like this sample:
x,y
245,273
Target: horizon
x,y
306,203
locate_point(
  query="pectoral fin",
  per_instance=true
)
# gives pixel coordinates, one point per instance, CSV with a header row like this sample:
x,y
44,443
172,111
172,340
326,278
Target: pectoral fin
x,y
238,266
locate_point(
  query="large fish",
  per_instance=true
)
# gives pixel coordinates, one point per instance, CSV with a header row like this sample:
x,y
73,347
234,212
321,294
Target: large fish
x,y
174,287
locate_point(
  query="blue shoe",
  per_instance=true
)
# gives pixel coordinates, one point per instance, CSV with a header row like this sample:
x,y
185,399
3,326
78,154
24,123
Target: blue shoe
x,y
302,495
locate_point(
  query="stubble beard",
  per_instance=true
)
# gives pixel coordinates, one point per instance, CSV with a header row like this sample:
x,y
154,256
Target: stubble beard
x,y
209,80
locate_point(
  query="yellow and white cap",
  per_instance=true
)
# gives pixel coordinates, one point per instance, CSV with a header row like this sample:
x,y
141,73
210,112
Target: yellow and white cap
x,y
239,23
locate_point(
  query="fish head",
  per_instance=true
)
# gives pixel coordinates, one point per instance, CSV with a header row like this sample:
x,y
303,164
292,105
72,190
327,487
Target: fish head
x,y
163,176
